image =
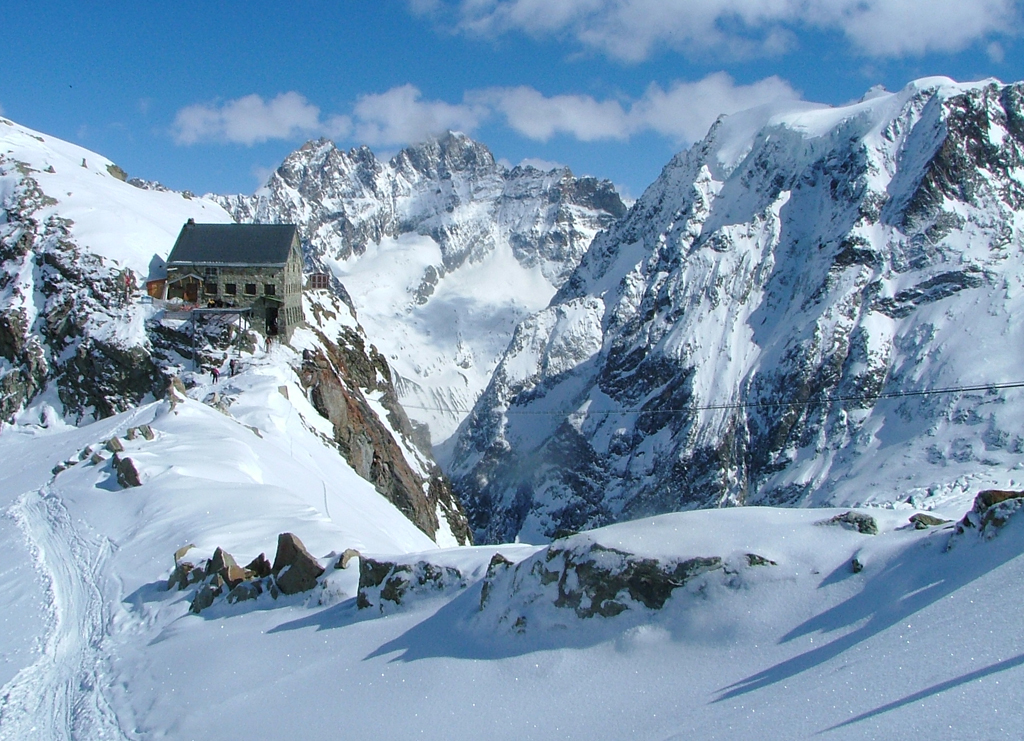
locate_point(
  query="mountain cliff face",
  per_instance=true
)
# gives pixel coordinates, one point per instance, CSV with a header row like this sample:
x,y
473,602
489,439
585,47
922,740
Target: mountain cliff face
x,y
769,323
441,249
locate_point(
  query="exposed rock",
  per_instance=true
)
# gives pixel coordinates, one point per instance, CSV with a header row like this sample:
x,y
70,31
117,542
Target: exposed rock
x,y
385,585
182,575
220,563
856,566
235,575
922,521
991,511
127,473
590,579
260,566
338,378
864,524
245,591
497,565
114,445
755,560
206,595
346,558
295,570
761,313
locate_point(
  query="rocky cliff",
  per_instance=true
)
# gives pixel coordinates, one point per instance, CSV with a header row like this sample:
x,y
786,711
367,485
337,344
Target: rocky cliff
x,y
784,317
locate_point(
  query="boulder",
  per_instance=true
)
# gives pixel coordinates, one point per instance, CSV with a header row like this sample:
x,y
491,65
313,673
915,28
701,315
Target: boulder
x,y
498,565
245,591
259,566
147,432
991,497
205,597
864,524
346,558
180,576
295,570
114,445
921,521
127,474
220,563
235,575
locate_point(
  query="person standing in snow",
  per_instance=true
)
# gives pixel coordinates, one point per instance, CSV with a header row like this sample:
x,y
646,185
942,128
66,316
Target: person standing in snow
x,y
215,372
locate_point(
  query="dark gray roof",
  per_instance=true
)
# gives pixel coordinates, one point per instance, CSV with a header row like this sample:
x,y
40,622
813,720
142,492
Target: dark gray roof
x,y
233,244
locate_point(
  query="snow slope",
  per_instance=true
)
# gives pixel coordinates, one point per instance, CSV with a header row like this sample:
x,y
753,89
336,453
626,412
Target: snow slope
x,y
923,641
109,217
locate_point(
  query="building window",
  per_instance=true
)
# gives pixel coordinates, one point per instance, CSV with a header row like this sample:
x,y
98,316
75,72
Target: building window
x,y
210,289
269,289
230,289
211,272
250,289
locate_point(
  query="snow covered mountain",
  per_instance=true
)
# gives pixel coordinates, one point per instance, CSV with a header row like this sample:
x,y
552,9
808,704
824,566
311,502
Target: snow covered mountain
x,y
442,250
127,616
771,322
76,344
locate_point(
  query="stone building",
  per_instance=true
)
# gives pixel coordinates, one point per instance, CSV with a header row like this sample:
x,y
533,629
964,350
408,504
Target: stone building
x,y
240,266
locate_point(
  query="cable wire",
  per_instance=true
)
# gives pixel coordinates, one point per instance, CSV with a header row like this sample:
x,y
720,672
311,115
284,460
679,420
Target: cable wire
x,y
744,405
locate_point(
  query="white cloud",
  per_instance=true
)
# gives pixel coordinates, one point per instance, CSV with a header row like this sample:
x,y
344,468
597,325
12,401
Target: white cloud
x,y
252,120
400,116
686,110
538,117
631,29
683,112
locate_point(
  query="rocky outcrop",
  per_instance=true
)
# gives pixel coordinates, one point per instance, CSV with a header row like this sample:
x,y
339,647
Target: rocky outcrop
x,y
385,585
449,188
294,569
340,376
589,579
60,315
991,511
862,523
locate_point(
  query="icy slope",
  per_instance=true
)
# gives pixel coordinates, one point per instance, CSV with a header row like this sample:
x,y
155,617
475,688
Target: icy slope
x,y
795,257
441,248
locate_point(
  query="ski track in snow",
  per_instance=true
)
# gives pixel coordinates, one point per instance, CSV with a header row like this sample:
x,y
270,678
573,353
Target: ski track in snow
x,y
60,696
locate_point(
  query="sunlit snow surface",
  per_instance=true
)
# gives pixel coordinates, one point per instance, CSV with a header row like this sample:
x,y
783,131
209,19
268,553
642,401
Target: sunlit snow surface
x,y
109,217
922,641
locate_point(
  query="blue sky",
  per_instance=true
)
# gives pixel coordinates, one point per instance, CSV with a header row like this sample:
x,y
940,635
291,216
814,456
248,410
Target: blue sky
x,y
212,96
